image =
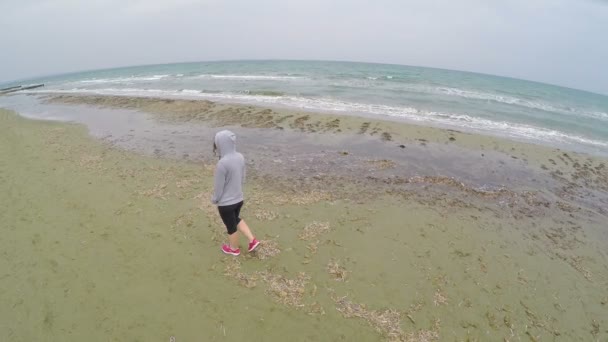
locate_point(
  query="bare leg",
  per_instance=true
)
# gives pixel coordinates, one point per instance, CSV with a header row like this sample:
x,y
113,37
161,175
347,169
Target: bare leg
x,y
233,239
244,228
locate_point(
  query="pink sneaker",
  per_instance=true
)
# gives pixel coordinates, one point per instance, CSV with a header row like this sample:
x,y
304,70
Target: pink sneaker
x,y
226,249
253,245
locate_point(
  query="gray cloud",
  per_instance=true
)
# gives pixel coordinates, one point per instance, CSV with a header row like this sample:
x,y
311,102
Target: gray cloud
x,y
556,41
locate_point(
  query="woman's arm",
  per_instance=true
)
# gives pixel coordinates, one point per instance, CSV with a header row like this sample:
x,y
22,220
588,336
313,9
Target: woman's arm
x,y
244,172
219,180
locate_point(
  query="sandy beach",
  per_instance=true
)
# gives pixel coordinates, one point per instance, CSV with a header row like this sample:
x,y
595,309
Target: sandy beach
x,y
372,229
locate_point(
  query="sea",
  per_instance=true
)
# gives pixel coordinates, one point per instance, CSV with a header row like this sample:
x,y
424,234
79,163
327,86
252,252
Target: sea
x,y
492,105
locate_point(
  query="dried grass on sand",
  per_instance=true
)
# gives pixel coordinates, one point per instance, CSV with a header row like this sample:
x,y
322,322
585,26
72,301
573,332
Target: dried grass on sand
x,y
265,215
387,322
233,270
266,250
439,298
301,198
336,270
158,191
289,292
314,229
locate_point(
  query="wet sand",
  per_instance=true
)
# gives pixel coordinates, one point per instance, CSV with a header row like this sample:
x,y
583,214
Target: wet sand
x,y
379,231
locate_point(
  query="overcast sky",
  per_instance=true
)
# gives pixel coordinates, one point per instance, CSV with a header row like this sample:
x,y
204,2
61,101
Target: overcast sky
x,y
562,42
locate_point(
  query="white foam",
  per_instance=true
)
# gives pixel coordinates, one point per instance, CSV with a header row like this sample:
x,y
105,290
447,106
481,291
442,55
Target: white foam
x,y
477,95
598,115
521,102
190,91
250,77
123,79
501,128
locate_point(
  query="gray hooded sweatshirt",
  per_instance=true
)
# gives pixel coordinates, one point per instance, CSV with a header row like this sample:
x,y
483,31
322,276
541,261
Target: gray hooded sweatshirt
x,y
230,171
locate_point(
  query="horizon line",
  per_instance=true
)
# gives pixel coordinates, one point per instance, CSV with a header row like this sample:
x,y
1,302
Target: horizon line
x,y
292,60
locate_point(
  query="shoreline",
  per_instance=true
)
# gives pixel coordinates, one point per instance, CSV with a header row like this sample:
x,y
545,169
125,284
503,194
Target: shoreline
x,y
522,260
313,146
478,160
286,111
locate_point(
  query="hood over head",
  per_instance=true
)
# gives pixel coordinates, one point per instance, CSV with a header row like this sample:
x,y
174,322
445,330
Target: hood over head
x,y
225,141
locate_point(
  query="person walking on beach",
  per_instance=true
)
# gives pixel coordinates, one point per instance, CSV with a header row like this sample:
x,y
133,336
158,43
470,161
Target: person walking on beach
x,y
228,192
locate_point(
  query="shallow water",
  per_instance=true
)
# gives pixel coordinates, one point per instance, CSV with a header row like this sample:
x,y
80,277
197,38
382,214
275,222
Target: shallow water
x,y
287,153
498,106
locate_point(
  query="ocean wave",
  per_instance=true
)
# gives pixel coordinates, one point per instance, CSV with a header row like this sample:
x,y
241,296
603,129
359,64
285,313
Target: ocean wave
x,y
463,121
132,79
251,77
191,91
123,79
598,115
469,94
247,92
521,102
371,81
264,92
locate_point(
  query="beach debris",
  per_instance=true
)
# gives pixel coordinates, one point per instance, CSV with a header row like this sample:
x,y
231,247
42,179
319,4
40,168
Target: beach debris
x,y
386,136
315,309
289,292
158,191
209,169
492,320
267,249
422,335
125,173
595,327
563,206
415,307
336,270
313,230
90,162
299,123
313,246
535,320
364,127
386,322
439,298
187,183
184,220
382,164
333,125
265,215
233,270
521,277
577,263
301,198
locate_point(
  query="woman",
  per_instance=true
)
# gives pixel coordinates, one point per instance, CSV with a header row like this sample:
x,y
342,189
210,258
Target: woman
x,y
228,193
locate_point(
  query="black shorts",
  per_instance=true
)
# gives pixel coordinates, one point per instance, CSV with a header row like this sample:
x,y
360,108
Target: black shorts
x,y
230,216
